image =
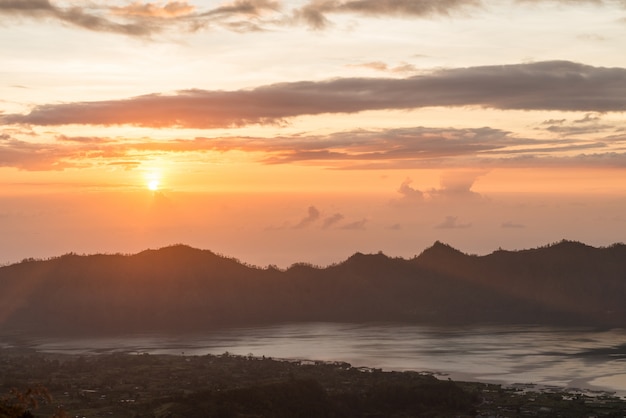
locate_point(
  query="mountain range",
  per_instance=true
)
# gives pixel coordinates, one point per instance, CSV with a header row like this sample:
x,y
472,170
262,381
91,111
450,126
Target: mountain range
x,y
179,289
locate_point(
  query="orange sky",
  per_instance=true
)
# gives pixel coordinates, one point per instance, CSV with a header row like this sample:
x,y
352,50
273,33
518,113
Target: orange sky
x,y
283,131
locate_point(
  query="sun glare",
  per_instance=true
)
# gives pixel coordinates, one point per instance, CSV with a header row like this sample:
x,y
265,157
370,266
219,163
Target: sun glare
x,y
153,185
153,180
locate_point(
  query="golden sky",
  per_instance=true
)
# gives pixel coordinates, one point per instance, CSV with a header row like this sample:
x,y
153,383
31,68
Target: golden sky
x,y
306,130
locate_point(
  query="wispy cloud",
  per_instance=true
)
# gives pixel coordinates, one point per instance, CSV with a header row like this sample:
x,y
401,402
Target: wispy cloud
x,y
553,85
355,226
314,13
332,220
143,19
85,17
452,222
168,10
419,147
512,225
383,67
34,156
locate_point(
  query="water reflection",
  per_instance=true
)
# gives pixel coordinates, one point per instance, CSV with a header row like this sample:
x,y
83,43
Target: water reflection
x,y
545,356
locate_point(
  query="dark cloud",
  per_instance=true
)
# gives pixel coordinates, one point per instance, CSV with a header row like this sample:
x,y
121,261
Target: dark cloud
x,y
554,85
314,12
451,222
312,216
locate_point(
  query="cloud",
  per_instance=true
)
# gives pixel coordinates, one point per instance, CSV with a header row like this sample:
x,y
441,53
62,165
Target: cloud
x,y
33,156
454,184
409,193
553,85
314,12
332,220
589,117
312,216
80,16
84,139
569,2
381,66
143,19
446,149
451,222
589,124
401,144
355,226
553,121
459,183
513,225
168,10
246,7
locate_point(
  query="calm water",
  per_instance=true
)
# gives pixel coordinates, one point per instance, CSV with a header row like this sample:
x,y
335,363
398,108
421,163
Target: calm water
x,y
572,358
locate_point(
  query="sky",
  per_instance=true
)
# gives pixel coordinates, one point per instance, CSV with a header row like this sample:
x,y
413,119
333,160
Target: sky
x,y
283,131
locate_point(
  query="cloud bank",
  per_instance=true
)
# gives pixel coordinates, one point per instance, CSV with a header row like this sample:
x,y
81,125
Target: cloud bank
x,y
144,19
551,85
417,147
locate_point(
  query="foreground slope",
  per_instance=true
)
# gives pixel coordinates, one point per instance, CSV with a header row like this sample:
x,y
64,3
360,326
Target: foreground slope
x,y
182,289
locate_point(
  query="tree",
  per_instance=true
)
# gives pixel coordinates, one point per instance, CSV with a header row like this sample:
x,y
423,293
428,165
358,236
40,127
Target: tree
x,y
18,404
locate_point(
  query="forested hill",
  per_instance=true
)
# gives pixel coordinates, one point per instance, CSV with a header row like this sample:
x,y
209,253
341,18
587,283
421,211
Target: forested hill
x,y
182,289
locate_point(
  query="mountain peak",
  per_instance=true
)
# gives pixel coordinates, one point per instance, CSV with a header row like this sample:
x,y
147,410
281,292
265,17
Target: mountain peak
x,y
439,251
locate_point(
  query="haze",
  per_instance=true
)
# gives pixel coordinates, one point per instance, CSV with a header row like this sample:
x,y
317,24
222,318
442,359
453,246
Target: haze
x,y
286,131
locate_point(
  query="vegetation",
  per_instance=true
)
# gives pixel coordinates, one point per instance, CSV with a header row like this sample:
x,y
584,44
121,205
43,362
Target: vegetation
x,y
159,386
181,289
19,404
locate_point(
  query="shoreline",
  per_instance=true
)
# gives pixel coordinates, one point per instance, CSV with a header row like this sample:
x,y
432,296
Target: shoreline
x,y
142,384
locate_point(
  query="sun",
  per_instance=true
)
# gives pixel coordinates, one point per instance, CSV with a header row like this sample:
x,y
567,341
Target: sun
x,y
153,180
153,185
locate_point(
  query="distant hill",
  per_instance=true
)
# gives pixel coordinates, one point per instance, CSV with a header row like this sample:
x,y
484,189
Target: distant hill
x,y
183,289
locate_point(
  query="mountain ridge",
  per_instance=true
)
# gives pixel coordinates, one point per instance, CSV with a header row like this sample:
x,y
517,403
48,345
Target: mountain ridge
x,y
184,289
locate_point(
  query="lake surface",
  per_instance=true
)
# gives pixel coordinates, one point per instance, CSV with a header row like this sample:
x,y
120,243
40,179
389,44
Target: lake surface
x,y
569,358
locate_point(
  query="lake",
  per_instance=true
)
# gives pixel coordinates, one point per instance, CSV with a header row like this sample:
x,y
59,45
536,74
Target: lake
x,y
568,358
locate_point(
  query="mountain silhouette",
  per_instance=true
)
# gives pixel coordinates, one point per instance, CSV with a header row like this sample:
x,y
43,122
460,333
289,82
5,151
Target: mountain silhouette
x,y
183,289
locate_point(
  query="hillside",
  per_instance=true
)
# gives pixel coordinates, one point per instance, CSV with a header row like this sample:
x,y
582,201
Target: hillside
x,y
182,289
